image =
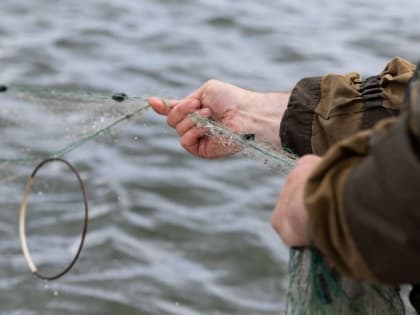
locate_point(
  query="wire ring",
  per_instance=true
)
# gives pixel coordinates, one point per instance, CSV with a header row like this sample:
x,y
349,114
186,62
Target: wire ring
x,y
22,220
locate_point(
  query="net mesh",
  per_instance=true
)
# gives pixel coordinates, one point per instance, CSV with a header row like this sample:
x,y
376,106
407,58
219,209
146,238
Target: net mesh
x,y
38,123
31,119
277,159
316,288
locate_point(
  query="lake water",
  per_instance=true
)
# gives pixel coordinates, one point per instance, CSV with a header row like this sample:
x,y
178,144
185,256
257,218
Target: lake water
x,y
170,233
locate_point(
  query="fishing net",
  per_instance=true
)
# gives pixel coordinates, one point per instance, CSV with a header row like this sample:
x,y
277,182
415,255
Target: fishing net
x,y
315,288
31,119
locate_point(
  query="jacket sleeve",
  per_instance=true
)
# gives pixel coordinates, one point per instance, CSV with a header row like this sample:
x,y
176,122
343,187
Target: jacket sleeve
x,y
324,110
363,201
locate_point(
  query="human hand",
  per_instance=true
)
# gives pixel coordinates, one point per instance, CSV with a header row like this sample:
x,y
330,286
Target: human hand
x,y
241,111
290,218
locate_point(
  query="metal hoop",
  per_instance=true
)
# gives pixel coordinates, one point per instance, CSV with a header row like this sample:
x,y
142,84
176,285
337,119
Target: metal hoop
x,y
22,220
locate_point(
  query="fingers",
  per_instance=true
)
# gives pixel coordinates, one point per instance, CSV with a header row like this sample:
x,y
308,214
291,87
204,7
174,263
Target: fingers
x,y
162,107
165,107
187,123
308,162
191,140
181,110
191,135
290,218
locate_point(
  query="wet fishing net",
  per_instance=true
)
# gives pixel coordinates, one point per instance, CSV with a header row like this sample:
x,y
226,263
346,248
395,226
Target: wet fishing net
x,y
32,119
315,288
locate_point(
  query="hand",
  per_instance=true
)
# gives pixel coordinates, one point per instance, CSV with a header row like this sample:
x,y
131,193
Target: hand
x,y
290,218
242,111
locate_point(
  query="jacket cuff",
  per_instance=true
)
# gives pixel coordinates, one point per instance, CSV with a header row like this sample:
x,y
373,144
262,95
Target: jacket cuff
x,y
296,125
324,110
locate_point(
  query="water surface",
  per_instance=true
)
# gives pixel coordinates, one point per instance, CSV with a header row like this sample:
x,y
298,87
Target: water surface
x,y
170,233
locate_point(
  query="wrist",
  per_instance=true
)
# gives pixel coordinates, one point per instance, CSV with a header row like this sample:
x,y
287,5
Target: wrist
x,y
264,119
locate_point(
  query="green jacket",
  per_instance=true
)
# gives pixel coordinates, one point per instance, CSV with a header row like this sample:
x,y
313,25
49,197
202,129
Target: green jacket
x,y
363,199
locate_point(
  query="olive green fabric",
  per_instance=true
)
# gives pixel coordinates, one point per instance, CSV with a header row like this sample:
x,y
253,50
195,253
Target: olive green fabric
x,y
351,171
363,198
324,110
349,103
362,202
380,201
339,113
296,125
324,200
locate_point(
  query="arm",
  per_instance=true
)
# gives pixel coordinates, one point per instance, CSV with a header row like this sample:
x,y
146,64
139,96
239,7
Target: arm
x,y
240,110
363,203
360,203
325,110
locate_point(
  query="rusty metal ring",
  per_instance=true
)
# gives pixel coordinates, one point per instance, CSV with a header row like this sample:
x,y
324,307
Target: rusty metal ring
x,y
22,220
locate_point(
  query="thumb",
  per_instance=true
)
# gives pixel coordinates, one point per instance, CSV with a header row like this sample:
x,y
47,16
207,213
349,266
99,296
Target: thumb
x,y
161,106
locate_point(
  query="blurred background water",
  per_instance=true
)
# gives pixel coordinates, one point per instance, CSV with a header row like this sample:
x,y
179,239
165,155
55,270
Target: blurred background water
x,y
170,233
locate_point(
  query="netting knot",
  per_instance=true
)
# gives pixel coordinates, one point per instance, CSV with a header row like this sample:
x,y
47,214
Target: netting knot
x,y
119,97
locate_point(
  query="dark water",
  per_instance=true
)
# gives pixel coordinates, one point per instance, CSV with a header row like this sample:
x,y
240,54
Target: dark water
x,y
169,233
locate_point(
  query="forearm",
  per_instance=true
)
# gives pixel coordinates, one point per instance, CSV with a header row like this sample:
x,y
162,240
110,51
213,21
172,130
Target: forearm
x,y
265,122
358,170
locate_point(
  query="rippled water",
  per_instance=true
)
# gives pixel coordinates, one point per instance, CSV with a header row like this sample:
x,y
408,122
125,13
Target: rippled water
x,y
169,233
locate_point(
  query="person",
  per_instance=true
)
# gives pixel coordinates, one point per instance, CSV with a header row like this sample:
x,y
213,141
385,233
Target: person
x,y
353,194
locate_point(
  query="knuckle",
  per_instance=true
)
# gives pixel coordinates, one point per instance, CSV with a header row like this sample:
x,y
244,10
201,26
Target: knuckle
x,y
277,219
285,234
187,146
211,82
210,87
184,143
169,121
306,159
274,224
291,178
179,129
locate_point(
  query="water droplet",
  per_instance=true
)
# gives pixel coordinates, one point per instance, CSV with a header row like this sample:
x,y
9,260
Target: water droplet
x,y
45,284
136,138
102,119
55,293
